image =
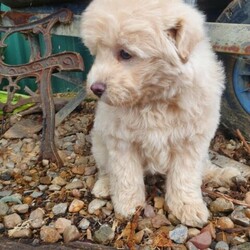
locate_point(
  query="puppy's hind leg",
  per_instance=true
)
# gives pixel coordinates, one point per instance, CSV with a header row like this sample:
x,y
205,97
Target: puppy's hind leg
x,y
219,176
102,187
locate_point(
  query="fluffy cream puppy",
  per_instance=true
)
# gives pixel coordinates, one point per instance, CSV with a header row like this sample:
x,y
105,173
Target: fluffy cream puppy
x,y
160,86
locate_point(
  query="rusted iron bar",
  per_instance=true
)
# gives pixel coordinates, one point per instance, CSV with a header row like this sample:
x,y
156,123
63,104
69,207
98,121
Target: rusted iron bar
x,y
230,38
39,67
48,147
42,26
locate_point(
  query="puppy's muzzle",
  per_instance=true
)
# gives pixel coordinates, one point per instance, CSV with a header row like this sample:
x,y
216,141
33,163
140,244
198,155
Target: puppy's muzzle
x,y
98,88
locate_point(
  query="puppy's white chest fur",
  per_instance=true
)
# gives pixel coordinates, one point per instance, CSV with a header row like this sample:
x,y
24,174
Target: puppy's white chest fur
x,y
149,130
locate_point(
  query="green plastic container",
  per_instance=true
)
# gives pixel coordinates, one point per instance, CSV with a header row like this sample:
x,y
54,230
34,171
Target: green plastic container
x,y
3,99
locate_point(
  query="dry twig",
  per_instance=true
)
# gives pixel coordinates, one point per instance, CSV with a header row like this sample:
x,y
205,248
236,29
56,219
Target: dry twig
x,y
227,197
134,224
241,137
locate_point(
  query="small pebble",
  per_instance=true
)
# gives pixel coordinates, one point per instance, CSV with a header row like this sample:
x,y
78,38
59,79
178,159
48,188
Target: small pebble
x,y
75,206
106,211
90,170
21,209
36,194
71,233
160,220
225,223
10,164
74,185
90,181
138,237
239,217
59,181
172,218
70,138
202,241
51,174
221,205
159,202
145,223
46,180
192,232
12,220
109,206
209,228
42,187
27,178
247,198
49,234
104,234
149,211
45,162
95,205
5,193
55,187
27,200
76,193
221,245
22,233
61,224
36,218
6,176
247,212
191,246
3,208
81,160
84,224
179,234
60,209
78,170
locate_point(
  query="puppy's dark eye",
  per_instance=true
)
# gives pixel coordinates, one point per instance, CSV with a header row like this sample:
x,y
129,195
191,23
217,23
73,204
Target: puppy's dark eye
x,y
124,55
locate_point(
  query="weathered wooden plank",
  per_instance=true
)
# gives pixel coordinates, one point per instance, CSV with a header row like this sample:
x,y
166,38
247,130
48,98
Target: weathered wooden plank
x,y
7,244
223,161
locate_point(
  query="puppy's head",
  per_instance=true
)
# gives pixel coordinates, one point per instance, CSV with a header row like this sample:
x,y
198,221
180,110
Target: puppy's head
x,y
140,48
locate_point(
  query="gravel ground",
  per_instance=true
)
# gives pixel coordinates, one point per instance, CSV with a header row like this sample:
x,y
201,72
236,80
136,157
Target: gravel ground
x,y
40,203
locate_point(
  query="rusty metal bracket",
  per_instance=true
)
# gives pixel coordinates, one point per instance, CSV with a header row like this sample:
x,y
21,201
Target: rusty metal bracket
x,y
39,67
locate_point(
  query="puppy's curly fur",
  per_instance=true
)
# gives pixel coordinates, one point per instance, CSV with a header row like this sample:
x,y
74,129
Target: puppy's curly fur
x,y
160,85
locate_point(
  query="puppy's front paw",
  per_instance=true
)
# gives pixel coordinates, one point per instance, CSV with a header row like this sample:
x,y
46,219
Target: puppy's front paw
x,y
127,208
195,214
101,188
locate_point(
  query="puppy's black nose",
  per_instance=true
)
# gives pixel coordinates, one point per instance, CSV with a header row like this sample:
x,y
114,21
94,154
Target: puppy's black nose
x,y
98,88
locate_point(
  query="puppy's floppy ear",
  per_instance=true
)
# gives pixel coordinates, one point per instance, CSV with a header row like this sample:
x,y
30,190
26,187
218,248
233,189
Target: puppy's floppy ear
x,y
186,35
